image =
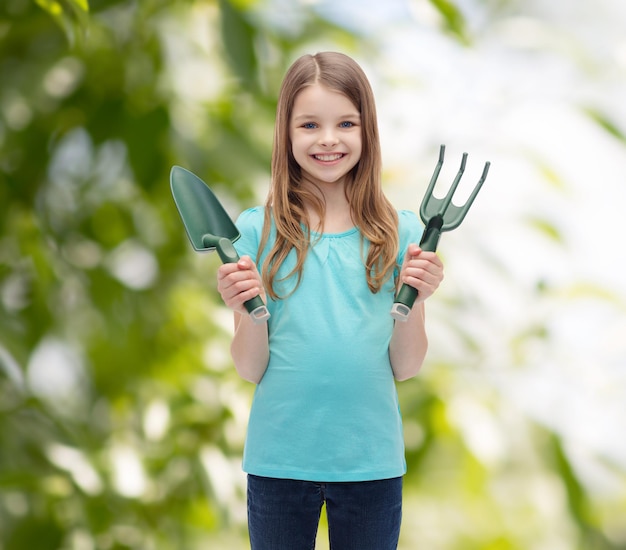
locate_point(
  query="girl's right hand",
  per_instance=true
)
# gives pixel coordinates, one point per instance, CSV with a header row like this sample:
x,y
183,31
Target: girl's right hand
x,y
239,282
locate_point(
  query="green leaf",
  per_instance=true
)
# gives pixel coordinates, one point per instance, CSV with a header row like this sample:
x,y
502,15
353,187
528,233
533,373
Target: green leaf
x,y
547,228
606,123
577,498
238,36
453,18
588,290
70,15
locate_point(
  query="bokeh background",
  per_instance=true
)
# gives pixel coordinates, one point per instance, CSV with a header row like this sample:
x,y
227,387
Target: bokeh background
x,y
121,418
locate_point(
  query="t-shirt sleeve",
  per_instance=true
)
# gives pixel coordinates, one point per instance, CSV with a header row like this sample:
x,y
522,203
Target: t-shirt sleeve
x,y
410,230
250,225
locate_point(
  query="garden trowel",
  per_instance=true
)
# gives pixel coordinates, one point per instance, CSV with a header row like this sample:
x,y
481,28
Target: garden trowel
x,y
208,225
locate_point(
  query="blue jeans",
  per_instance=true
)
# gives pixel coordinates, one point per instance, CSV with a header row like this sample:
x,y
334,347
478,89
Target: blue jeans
x,y
283,514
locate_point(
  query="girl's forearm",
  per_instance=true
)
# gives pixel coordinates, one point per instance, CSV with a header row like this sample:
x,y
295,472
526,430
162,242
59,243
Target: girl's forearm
x,y
409,344
250,348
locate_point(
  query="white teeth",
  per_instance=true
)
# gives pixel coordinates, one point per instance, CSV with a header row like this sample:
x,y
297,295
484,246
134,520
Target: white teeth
x,y
328,158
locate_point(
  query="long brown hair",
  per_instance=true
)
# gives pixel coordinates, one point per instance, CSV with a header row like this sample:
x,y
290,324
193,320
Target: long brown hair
x,y
371,211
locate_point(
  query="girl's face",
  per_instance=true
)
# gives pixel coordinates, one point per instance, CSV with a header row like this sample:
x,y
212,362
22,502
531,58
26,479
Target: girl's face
x,y
325,133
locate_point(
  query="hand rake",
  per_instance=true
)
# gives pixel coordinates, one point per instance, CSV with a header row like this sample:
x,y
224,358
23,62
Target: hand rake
x,y
438,215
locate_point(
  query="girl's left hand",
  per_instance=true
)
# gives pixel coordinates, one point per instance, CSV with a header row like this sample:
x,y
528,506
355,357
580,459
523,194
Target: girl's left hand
x,y
423,270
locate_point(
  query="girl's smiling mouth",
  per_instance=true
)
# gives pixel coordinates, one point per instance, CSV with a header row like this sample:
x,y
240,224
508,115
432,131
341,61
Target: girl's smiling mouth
x,y
328,157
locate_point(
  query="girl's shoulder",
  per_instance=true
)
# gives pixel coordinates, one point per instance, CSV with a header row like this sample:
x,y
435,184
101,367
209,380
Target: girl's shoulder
x,y
250,227
408,222
251,219
252,214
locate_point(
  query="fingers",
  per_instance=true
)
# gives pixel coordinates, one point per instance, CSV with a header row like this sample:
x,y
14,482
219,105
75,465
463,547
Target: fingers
x,y
238,283
422,270
413,251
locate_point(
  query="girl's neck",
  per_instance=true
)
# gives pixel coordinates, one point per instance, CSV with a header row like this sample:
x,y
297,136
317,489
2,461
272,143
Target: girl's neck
x,y
337,215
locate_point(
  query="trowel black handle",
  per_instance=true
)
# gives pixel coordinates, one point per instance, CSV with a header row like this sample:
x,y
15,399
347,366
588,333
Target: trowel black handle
x,y
407,294
255,306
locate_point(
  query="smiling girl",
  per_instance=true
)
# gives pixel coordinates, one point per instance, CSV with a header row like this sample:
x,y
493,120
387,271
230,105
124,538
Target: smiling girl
x,y
327,252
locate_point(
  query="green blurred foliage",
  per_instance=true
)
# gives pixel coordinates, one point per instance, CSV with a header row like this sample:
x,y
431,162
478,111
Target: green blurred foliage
x,y
119,414
121,418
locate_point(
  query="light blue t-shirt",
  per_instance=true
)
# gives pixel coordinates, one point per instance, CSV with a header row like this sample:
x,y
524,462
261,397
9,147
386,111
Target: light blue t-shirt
x,y
327,408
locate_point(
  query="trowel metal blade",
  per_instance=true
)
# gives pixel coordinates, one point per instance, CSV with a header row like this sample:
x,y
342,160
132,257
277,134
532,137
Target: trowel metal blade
x,y
201,211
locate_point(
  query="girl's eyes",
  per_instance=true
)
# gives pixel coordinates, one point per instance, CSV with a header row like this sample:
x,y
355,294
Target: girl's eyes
x,y
312,125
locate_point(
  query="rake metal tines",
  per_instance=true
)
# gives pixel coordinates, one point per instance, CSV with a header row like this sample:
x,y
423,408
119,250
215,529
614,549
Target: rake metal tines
x,y
451,214
438,215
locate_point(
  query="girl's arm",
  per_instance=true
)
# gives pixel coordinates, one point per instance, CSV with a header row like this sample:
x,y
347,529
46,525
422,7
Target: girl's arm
x,y
424,271
249,348
238,283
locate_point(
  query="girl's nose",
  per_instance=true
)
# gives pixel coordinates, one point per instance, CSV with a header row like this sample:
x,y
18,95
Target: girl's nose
x,y
328,138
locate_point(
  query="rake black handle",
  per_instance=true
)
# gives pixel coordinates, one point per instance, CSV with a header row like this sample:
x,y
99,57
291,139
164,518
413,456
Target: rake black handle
x,y
254,306
407,294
